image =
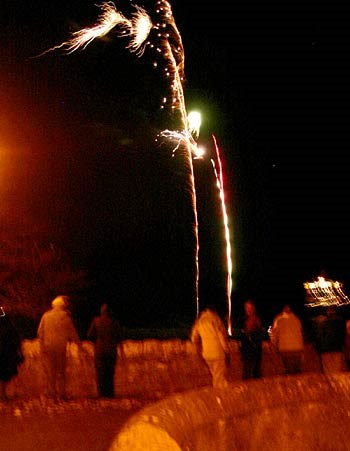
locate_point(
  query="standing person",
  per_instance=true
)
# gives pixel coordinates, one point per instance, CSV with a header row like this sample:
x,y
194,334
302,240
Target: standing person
x,y
55,330
209,336
251,342
10,352
287,336
347,345
329,337
105,332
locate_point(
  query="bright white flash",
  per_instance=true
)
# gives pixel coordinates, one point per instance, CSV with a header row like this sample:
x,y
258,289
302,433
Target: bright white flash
x,y
200,152
194,122
140,29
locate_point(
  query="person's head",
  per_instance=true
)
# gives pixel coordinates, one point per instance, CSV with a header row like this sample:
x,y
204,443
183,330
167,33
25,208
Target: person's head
x,y
249,308
104,310
212,307
331,311
59,303
286,308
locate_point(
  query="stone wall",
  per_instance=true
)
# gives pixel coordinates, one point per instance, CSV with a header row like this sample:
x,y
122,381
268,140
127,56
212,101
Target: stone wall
x,y
308,412
148,368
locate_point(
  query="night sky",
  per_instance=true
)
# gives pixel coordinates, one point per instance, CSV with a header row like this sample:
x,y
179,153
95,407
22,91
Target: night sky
x,y
79,154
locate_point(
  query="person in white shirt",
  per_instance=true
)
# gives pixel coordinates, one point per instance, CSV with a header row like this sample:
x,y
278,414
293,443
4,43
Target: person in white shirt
x,y
210,338
287,335
55,330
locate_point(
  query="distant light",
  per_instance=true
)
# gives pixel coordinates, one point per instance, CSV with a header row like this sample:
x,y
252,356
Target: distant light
x,y
324,293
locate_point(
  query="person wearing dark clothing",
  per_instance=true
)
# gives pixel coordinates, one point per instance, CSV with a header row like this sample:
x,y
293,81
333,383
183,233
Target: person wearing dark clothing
x,y
251,342
347,345
329,339
104,331
11,355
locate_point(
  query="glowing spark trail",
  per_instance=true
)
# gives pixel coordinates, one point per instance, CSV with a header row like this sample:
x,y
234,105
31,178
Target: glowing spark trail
x,y
138,29
220,185
170,47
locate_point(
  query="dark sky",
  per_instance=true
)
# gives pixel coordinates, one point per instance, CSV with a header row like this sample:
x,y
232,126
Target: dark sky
x,y
78,149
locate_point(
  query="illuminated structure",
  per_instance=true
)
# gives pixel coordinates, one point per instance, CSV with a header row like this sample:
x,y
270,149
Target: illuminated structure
x,y
325,293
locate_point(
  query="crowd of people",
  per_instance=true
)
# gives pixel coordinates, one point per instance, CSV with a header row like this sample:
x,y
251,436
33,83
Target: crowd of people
x,y
208,334
286,336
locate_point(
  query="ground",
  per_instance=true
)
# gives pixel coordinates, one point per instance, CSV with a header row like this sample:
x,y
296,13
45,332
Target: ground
x,y
77,425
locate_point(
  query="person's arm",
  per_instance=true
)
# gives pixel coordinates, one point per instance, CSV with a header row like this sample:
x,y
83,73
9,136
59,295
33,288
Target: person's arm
x,y
40,331
72,332
91,334
274,333
196,339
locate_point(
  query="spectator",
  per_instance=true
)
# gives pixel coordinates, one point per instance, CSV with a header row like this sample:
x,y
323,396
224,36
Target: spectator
x,y
287,336
347,345
250,342
10,352
105,332
209,336
55,330
329,337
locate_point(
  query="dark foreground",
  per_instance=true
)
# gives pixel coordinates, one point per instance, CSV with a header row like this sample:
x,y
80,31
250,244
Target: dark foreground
x,y
77,425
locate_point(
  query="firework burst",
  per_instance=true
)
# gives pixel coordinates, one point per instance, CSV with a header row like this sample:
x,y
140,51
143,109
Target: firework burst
x,y
168,44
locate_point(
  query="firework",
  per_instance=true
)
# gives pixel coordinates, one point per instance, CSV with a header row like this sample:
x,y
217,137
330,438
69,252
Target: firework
x,y
168,44
137,29
220,185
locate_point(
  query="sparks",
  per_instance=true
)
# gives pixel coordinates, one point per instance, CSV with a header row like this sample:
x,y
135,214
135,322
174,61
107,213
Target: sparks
x,y
170,47
173,53
137,29
220,185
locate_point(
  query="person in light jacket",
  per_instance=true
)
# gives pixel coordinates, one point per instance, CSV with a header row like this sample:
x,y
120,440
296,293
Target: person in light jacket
x,y
55,330
287,336
209,336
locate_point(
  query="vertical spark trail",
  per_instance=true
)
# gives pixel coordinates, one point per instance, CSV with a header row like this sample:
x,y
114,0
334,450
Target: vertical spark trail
x,y
220,185
169,46
173,52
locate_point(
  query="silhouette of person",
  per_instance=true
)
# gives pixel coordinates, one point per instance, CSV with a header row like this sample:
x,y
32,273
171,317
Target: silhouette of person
x,y
347,345
105,332
11,355
55,330
287,336
329,338
209,336
250,342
